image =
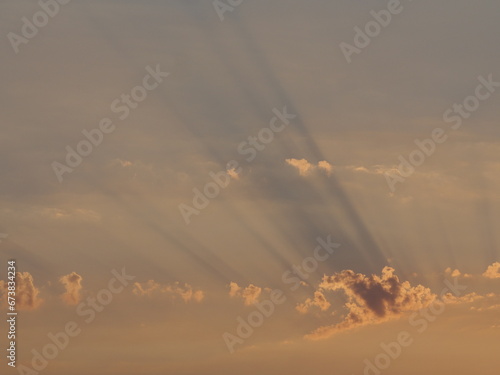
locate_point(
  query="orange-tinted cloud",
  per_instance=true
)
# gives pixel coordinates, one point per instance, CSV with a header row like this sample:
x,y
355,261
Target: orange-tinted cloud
x,y
319,300
467,298
493,271
233,174
73,285
26,293
372,299
186,292
456,273
146,289
304,167
250,294
481,303
327,167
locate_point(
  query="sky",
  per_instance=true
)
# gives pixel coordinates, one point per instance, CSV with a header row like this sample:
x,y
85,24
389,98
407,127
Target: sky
x,y
212,187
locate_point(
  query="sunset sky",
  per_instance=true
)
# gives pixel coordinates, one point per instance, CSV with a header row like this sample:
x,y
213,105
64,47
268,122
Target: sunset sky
x,y
193,163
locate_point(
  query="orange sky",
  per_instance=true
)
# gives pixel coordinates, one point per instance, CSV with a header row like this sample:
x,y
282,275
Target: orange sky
x,y
197,188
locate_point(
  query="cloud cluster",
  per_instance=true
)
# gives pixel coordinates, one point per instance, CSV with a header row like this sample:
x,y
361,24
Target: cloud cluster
x,y
304,167
372,299
250,294
73,285
493,271
26,292
185,292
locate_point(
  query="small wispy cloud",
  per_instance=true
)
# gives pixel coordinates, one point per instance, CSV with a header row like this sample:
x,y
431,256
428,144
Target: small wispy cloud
x,y
233,174
249,294
174,291
318,301
73,285
456,273
304,167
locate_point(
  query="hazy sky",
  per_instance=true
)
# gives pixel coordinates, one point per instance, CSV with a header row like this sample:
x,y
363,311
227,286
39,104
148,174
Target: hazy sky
x,y
327,130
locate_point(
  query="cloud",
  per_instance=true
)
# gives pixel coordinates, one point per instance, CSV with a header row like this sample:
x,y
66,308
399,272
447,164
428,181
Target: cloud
x,y
233,174
327,167
493,271
467,298
359,169
26,292
487,308
372,299
73,285
318,300
63,214
375,169
250,294
146,289
456,273
305,167
186,292
121,163
302,165
482,303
